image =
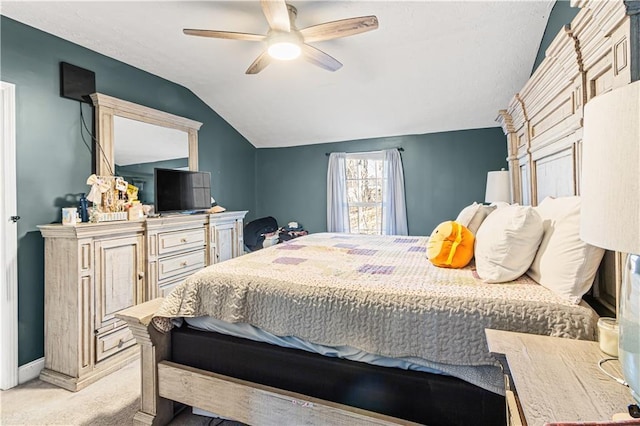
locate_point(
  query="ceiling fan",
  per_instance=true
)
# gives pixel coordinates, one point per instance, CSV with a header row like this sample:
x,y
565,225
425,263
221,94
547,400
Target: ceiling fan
x,y
286,42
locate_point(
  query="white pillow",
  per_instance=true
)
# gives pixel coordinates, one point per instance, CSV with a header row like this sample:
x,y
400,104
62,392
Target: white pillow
x,y
564,263
472,216
465,216
500,204
506,243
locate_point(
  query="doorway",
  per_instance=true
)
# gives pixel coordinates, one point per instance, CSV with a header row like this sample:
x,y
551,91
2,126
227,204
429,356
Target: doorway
x,y
8,240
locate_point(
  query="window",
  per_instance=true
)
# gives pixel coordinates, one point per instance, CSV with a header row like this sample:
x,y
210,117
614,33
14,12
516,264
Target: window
x,y
364,192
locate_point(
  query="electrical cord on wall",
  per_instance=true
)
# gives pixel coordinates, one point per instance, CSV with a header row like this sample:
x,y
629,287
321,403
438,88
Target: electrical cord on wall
x,y
617,379
94,139
81,132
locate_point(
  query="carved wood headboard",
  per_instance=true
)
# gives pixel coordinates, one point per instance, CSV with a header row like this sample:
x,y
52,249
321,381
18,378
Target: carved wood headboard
x,y
597,52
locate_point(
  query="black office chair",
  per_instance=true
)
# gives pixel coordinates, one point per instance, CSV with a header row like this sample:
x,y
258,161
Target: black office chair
x,y
254,232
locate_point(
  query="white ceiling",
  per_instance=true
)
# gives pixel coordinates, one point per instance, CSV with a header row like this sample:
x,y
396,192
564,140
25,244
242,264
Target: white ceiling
x,y
431,66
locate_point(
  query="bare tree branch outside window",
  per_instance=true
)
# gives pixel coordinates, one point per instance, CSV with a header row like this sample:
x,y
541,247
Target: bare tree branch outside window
x,y
364,193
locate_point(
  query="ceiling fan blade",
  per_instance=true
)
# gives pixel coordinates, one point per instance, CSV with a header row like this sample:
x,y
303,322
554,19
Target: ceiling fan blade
x,y
224,34
259,64
341,28
277,14
319,58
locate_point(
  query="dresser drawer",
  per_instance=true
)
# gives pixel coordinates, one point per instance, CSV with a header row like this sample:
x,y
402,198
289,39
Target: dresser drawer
x,y
110,343
172,242
166,286
181,264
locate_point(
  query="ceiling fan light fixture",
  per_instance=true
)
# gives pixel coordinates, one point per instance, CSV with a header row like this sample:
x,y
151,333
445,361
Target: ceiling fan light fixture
x,y
285,42
284,50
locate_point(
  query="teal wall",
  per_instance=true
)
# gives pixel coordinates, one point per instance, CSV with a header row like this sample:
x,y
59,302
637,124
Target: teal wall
x,y
561,15
53,162
443,173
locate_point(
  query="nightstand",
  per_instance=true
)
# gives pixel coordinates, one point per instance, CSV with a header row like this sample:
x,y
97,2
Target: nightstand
x,y
551,379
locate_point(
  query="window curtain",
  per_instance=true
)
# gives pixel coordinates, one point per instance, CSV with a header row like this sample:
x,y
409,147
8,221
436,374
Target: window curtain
x,y
337,207
394,210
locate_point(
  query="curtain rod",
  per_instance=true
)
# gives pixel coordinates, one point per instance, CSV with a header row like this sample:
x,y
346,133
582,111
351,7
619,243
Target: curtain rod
x,y
399,148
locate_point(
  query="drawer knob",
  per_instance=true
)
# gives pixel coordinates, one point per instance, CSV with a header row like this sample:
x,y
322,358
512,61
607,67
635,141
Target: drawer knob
x,y
183,240
140,275
120,343
183,264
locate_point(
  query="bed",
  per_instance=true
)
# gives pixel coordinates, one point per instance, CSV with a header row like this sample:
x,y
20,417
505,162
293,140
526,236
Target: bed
x,y
359,300
543,125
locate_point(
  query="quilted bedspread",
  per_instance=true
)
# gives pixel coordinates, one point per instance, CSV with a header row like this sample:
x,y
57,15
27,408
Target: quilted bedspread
x,y
379,294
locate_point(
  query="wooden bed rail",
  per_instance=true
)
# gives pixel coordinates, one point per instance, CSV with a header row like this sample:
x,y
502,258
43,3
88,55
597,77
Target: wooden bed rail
x,y
154,348
256,404
164,381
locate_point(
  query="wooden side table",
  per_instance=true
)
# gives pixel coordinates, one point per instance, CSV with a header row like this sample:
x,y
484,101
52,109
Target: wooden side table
x,y
551,379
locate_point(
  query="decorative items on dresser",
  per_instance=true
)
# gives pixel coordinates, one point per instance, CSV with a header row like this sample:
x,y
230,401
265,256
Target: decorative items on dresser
x,y
93,270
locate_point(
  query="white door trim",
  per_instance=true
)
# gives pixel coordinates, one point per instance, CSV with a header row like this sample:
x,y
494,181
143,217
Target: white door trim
x,y
8,240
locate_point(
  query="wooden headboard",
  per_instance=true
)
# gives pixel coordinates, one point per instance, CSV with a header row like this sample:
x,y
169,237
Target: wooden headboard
x,y
597,52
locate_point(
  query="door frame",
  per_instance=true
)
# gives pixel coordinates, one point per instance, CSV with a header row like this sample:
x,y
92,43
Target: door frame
x,y
8,240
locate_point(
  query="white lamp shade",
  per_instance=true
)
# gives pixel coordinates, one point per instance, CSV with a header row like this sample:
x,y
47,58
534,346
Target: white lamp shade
x,y
498,187
610,184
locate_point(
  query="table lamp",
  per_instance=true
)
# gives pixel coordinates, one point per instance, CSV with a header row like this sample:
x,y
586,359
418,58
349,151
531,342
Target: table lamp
x,y
610,213
498,188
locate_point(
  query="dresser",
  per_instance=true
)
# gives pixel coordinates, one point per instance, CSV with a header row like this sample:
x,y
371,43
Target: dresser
x,y
93,270
551,379
179,245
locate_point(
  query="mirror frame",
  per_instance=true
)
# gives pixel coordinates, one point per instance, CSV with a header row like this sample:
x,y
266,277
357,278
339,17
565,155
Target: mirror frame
x,y
106,107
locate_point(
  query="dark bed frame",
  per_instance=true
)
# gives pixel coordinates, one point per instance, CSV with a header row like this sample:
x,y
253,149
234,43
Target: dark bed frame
x,y
259,383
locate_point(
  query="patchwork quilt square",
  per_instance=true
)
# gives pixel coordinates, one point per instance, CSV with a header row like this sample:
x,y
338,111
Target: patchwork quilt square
x,y
290,246
376,269
345,245
289,260
363,252
406,240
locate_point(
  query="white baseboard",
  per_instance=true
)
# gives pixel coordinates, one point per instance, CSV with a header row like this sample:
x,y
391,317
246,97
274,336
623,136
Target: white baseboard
x,y
30,371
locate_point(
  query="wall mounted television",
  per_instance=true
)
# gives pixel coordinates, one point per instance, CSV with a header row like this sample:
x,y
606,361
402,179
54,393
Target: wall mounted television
x,y
181,191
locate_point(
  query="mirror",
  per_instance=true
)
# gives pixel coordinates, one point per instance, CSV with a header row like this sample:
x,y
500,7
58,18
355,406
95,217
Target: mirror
x,y
140,147
133,139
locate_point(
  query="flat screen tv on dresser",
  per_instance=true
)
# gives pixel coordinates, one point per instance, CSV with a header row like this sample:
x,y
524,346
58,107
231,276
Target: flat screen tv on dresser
x,y
181,191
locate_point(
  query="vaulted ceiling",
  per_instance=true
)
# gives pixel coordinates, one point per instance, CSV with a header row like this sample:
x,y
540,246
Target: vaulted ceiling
x,y
431,66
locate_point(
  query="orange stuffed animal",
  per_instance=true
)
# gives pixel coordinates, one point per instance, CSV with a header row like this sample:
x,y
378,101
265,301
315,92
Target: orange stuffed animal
x,y
450,245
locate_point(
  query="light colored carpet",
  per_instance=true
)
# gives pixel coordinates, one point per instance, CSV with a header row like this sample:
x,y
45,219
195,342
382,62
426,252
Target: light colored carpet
x,y
113,400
